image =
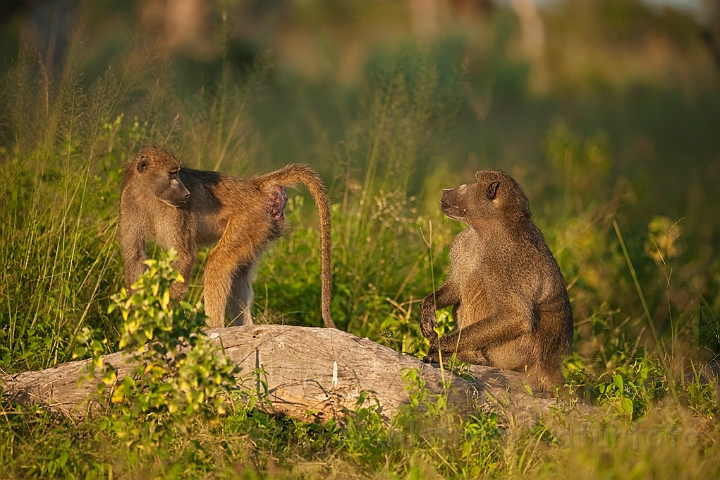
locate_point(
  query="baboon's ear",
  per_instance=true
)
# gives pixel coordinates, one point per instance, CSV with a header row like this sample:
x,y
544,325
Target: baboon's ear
x,y
143,163
492,189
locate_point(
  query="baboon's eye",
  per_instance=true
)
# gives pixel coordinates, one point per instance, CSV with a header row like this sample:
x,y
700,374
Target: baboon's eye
x,y
492,190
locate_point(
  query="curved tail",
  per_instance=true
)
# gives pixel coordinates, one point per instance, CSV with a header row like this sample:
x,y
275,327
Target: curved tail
x,y
288,176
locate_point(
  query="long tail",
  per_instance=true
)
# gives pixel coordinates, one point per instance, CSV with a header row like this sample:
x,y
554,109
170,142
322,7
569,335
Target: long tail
x,y
288,176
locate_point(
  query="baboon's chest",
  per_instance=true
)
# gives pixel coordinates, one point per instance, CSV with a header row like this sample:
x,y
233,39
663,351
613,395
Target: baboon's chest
x,y
164,229
474,302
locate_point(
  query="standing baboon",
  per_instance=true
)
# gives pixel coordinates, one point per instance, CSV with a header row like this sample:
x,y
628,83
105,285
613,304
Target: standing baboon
x,y
184,208
509,299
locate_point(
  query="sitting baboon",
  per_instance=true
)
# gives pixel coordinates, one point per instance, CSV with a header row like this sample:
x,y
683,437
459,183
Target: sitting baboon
x,y
184,208
509,299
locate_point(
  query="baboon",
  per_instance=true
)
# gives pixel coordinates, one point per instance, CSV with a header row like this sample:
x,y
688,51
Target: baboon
x,y
509,299
184,208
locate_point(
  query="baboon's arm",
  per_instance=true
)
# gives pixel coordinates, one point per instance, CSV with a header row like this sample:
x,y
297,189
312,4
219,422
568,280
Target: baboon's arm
x,y
443,297
184,265
132,244
134,259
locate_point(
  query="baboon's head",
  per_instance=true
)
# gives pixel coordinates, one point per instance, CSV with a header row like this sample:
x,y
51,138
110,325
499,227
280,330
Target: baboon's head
x,y
158,171
494,194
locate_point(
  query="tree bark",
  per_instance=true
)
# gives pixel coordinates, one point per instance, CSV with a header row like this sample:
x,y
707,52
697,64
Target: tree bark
x,y
312,374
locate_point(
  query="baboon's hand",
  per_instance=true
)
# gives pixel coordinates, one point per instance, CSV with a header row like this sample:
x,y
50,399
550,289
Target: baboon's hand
x,y
428,321
430,334
432,358
433,355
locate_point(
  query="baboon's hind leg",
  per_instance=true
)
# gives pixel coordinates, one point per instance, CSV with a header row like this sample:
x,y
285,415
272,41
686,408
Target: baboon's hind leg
x,y
240,300
229,268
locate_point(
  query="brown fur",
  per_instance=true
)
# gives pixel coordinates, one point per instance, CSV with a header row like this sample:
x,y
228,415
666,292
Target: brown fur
x,y
184,208
509,299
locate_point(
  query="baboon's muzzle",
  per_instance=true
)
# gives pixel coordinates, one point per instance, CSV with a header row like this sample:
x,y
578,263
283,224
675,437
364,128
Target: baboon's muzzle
x,y
452,202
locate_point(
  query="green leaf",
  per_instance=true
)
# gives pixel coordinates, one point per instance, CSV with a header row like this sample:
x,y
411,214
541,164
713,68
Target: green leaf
x,y
618,381
79,352
627,406
109,377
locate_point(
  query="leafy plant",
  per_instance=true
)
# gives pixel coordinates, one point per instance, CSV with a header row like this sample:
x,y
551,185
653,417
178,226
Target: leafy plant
x,y
701,392
363,433
178,374
632,388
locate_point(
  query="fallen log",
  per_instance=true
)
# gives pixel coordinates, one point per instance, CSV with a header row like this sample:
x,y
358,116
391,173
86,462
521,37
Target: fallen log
x,y
311,374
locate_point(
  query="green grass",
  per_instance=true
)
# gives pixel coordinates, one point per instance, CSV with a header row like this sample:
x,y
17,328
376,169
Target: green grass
x,y
642,279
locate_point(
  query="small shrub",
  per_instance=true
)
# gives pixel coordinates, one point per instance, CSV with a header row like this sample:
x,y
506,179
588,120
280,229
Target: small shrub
x,y
632,388
178,374
701,393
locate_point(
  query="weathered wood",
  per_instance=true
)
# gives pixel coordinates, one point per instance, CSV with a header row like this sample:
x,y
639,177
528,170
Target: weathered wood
x,y
320,371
